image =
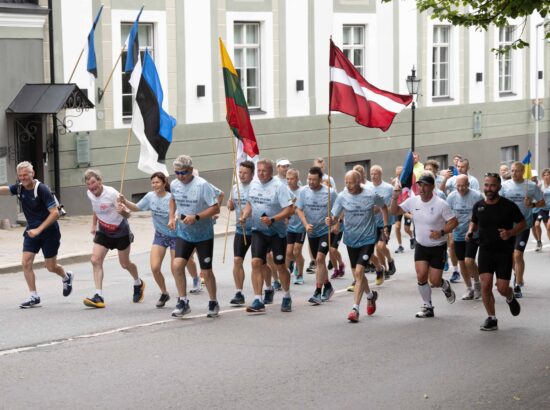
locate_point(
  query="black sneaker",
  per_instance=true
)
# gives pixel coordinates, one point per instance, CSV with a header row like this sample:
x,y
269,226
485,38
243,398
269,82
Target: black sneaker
x,y
291,267
182,308
68,284
95,302
391,268
164,297
311,268
315,300
286,305
268,296
328,291
32,301
413,243
329,266
425,311
238,299
213,309
514,306
517,292
138,292
489,325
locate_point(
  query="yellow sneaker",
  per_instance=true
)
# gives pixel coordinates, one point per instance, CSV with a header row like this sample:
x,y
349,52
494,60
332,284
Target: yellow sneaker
x,y
95,302
351,288
379,277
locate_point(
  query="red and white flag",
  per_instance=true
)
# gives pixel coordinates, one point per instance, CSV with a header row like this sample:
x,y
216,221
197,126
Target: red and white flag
x,y
351,94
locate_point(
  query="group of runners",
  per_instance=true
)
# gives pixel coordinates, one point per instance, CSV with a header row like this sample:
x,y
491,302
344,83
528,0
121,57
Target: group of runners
x,y
452,215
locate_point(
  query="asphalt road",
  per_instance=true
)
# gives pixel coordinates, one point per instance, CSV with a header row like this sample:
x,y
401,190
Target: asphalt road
x,y
65,356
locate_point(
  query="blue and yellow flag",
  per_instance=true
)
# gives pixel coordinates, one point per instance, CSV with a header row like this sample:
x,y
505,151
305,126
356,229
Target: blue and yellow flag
x,y
527,174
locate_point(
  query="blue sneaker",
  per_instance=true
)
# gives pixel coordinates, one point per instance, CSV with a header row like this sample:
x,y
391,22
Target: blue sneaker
x,y
256,307
277,285
268,296
455,277
517,292
299,280
286,305
446,266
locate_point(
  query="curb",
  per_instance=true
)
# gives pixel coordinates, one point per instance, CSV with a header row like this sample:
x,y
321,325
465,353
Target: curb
x,y
77,258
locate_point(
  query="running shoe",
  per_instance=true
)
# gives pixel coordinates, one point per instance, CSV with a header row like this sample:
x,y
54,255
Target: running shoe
x,y
335,274
328,291
449,292
353,316
413,243
329,266
213,309
477,290
517,292
291,266
299,280
202,280
68,284
32,301
489,325
455,277
315,300
380,277
197,285
268,296
514,306
95,302
539,246
400,249
311,268
469,295
139,292
391,268
446,266
372,268
342,271
286,305
351,288
371,308
164,297
296,273
256,307
182,308
238,299
425,312
277,285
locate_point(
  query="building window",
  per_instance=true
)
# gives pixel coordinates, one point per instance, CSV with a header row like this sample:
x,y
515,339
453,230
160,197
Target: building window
x,y
354,46
442,160
440,62
505,60
364,163
509,154
247,61
146,40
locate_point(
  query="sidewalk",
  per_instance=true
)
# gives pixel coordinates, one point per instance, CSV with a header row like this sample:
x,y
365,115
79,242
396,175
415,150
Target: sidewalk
x,y
76,240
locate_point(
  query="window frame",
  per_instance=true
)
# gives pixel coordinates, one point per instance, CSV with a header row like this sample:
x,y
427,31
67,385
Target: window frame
x,y
349,49
505,154
243,71
437,47
505,57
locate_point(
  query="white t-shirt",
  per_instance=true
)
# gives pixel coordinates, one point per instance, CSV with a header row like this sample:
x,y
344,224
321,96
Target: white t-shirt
x,y
428,216
104,206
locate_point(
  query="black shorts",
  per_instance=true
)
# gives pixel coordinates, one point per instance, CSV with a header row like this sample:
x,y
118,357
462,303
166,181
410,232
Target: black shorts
x,y
466,249
522,240
239,248
360,256
335,239
262,244
434,255
108,242
381,236
320,243
497,262
205,250
49,241
542,215
295,237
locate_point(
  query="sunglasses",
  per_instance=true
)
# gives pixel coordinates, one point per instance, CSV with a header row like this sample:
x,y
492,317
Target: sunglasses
x,y
182,172
492,174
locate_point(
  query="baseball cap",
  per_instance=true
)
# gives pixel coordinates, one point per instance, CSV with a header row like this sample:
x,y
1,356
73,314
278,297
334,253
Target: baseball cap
x,y
283,161
426,179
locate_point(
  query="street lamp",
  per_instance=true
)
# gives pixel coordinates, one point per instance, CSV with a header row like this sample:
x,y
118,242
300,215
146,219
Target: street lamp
x,y
412,85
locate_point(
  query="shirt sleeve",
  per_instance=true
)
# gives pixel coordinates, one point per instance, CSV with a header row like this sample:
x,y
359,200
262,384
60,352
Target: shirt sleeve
x,y
379,200
337,207
474,213
517,216
406,205
285,197
13,189
46,196
144,204
538,194
209,195
447,212
300,199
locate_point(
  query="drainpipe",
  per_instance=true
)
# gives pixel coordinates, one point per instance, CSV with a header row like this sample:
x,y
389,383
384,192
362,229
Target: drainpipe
x,y
57,187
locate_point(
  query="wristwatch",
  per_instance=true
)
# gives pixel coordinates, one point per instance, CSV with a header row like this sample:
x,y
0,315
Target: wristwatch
x,y
272,220
197,217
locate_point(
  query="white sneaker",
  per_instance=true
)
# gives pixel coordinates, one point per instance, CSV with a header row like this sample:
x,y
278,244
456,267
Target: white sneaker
x,y
197,285
469,295
477,291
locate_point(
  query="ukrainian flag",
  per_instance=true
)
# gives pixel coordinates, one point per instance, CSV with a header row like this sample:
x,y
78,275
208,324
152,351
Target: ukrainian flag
x,y
527,164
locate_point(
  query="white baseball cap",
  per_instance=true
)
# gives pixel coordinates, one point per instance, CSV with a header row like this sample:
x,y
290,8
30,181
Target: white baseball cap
x,y
283,162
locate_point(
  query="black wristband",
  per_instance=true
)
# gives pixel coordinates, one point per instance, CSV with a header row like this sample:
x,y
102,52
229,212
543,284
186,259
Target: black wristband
x,y
197,217
272,220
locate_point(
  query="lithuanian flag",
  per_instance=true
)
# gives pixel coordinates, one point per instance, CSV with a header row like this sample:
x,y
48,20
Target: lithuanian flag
x,y
527,166
237,111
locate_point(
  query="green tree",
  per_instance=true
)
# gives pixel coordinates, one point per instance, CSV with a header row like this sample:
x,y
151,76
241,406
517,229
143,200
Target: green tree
x,y
483,13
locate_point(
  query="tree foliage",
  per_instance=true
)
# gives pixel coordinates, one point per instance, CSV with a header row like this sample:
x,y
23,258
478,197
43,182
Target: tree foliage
x,y
481,14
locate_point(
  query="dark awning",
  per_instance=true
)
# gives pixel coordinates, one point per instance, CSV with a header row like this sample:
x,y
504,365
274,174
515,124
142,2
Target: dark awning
x,y
48,99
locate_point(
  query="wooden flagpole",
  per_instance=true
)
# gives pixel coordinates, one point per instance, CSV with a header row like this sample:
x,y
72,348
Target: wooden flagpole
x,y
102,92
125,158
236,178
228,218
76,64
328,164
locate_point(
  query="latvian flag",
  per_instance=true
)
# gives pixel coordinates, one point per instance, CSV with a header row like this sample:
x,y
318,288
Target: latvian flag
x,y
351,94
150,123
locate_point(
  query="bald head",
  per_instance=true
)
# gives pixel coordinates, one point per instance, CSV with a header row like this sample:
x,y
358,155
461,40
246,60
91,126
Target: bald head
x,y
462,184
353,181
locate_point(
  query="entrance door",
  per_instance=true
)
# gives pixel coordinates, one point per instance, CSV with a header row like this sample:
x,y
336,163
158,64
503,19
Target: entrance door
x,y
29,142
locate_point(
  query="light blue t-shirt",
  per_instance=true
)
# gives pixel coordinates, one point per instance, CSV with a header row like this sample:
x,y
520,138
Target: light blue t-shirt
x,y
331,181
546,195
440,194
294,223
450,186
385,190
314,204
269,199
462,208
160,211
243,190
360,229
192,198
517,191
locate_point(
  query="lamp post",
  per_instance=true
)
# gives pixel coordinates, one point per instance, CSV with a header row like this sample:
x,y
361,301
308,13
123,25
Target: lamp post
x,y
412,85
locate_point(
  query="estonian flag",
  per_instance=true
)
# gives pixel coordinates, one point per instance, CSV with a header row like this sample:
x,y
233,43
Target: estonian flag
x,y
132,55
92,64
150,123
407,178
